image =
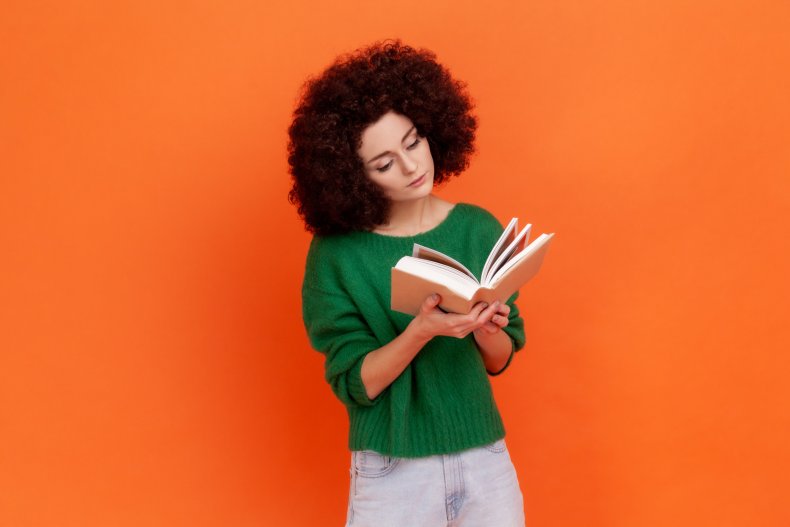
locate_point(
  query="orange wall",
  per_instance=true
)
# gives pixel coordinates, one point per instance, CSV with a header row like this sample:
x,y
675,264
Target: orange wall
x,y
153,366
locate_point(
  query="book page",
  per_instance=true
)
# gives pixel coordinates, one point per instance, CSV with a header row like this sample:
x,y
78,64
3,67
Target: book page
x,y
507,237
426,253
436,272
522,268
414,279
507,254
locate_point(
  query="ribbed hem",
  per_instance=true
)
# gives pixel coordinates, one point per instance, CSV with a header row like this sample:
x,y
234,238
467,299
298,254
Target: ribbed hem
x,y
454,430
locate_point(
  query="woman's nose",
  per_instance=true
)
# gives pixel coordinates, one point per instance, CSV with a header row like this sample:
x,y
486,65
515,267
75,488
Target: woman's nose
x,y
409,164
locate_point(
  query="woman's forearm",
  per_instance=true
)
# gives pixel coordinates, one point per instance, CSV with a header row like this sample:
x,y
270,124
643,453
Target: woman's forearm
x,y
382,366
495,349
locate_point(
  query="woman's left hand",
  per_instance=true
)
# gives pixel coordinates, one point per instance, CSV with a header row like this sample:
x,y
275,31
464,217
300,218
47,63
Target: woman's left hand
x,y
497,322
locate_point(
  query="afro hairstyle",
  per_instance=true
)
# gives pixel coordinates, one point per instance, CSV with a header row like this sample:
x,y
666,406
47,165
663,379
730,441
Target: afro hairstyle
x,y
331,188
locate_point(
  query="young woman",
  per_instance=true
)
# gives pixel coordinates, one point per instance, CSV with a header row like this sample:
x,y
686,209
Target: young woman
x,y
370,138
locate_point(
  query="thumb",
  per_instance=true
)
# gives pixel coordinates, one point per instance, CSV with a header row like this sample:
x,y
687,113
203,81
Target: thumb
x,y
431,302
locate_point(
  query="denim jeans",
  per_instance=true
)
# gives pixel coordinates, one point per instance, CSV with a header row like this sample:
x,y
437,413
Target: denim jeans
x,y
473,488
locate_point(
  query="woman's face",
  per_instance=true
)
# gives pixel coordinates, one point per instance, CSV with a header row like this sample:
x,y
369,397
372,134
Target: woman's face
x,y
397,159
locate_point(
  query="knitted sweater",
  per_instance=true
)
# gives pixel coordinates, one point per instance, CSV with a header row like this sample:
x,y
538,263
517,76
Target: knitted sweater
x,y
442,402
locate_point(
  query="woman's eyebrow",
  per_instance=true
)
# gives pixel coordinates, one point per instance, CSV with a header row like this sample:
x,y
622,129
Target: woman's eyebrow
x,y
387,152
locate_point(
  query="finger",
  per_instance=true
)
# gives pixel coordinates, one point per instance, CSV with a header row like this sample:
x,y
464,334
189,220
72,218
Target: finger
x,y
489,312
483,317
504,309
499,320
431,302
478,308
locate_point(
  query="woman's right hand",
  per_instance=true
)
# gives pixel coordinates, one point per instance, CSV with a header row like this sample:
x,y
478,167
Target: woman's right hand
x,y
382,366
432,321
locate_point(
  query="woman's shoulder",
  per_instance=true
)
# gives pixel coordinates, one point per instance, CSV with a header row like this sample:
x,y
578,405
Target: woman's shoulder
x,y
326,262
345,252
332,249
476,213
330,242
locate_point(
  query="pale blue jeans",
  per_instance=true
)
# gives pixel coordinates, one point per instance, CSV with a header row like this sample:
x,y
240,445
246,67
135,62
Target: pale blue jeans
x,y
473,488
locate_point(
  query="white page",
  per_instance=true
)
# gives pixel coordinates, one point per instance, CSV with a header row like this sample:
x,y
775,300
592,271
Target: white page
x,y
432,253
507,253
536,244
497,249
436,272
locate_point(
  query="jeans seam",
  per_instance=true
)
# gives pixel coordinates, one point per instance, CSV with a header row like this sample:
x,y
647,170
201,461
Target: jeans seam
x,y
392,462
497,447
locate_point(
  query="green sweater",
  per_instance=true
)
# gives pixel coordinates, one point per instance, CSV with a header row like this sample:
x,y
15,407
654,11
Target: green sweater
x,y
442,402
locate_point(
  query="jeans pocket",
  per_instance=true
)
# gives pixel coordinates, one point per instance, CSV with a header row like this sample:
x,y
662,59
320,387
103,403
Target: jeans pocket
x,y
497,447
370,464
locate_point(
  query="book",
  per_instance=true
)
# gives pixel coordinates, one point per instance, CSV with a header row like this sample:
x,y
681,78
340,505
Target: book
x,y
511,263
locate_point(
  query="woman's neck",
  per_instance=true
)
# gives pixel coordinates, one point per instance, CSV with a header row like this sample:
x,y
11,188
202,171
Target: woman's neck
x,y
408,218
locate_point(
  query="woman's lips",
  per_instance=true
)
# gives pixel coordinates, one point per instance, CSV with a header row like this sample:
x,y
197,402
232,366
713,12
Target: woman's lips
x,y
417,182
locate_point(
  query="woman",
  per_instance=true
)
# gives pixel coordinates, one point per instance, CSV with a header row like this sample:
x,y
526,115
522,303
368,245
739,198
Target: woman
x,y
370,138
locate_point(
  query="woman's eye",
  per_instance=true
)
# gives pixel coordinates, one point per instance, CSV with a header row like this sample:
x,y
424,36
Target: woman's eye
x,y
385,167
414,144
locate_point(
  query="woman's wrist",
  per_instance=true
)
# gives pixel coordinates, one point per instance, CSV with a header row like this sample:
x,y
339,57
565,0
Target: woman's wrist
x,y
418,331
495,348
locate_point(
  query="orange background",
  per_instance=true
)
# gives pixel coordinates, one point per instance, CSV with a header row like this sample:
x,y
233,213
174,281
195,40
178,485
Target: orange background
x,y
153,364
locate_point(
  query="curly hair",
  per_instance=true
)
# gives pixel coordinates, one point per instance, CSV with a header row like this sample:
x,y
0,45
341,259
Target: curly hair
x,y
331,189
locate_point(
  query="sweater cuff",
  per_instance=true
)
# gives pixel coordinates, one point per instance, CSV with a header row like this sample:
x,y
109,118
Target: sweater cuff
x,y
356,388
509,360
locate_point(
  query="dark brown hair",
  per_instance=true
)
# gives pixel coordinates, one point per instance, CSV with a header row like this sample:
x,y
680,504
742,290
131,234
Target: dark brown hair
x,y
330,186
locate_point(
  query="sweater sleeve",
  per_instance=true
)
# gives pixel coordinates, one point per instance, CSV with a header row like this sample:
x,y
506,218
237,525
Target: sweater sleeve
x,y
336,329
334,323
514,330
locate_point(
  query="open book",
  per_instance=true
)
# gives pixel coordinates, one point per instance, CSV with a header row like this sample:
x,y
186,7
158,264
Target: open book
x,y
510,264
